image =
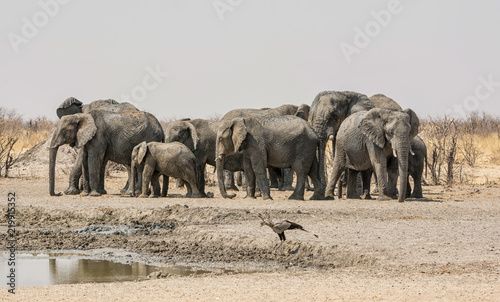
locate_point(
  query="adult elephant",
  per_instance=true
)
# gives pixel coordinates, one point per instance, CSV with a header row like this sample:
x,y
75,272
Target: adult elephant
x,y
301,111
281,142
417,157
328,110
103,134
72,106
367,139
200,136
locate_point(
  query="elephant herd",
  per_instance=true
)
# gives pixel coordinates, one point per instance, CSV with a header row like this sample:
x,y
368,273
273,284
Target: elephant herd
x,y
368,135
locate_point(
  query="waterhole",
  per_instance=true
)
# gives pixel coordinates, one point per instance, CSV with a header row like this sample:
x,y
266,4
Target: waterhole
x,y
37,269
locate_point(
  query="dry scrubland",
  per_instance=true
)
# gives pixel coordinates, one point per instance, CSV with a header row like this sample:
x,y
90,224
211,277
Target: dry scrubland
x,y
445,247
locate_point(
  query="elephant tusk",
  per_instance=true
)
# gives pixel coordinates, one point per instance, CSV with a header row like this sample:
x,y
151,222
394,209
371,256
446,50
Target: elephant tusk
x,y
411,152
394,152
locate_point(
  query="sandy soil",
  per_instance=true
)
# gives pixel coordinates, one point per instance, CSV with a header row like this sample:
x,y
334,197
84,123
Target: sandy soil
x,y
446,247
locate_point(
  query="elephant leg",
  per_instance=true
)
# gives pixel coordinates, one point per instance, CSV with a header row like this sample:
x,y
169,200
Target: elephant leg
x,y
338,168
381,171
250,178
259,165
319,187
408,187
199,178
308,185
276,178
417,185
239,178
85,175
155,183
191,184
101,189
298,193
125,189
74,175
288,180
229,181
95,162
147,174
417,181
375,190
392,174
352,176
366,178
164,190
189,190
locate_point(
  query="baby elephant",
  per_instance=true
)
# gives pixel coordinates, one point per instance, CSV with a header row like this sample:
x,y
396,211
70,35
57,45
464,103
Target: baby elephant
x,y
168,159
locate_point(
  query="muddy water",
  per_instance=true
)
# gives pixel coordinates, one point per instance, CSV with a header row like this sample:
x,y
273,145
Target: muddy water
x,y
65,268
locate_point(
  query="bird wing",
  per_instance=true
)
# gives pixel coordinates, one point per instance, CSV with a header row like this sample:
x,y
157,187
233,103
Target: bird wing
x,y
283,225
292,225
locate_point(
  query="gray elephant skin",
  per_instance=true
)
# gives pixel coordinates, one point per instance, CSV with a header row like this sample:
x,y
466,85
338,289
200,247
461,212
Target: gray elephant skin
x,y
416,163
71,106
281,142
416,159
328,110
279,179
367,139
200,136
108,132
168,159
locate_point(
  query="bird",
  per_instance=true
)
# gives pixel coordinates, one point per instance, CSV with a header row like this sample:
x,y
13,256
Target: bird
x,y
280,228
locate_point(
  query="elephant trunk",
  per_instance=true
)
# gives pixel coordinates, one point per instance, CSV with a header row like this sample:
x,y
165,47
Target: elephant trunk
x,y
52,170
219,164
402,152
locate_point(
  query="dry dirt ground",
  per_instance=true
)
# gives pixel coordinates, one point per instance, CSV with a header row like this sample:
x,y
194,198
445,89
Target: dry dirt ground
x,y
446,247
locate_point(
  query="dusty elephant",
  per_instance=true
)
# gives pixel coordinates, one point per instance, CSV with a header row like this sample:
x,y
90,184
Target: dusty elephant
x,y
103,135
279,179
328,110
367,139
200,136
416,159
72,106
167,159
281,142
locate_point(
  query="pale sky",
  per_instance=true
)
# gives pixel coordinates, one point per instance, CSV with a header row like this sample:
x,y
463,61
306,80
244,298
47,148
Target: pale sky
x,y
196,59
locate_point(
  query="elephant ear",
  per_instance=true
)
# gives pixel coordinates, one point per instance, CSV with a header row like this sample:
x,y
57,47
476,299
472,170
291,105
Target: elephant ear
x,y
86,129
194,135
239,133
372,126
303,111
142,148
414,122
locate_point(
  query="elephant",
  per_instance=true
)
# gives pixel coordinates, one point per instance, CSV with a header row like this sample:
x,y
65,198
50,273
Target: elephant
x,y
103,135
281,142
367,139
279,179
416,162
168,159
417,156
200,136
71,106
328,110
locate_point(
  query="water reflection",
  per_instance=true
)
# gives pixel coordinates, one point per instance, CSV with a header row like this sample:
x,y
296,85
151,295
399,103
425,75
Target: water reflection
x,y
49,269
